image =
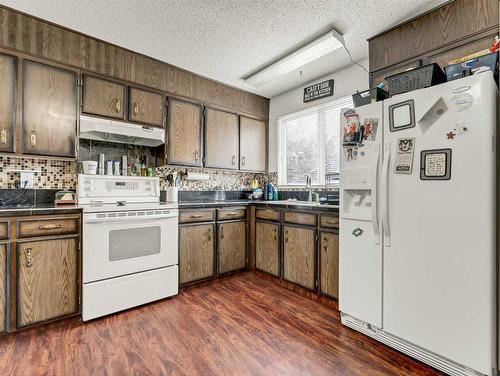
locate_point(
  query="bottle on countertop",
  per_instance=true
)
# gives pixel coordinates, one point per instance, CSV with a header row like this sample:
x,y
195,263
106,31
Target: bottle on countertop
x,y
275,193
144,170
266,190
270,188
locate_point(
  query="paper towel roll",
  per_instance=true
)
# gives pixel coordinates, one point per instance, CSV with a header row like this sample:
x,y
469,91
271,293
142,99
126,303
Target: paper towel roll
x,y
197,176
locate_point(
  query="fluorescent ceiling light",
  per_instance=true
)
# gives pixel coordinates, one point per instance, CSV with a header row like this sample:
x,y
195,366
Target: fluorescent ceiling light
x,y
319,47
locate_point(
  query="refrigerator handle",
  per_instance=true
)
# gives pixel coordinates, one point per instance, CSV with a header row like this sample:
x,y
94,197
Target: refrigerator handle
x,y
385,206
374,194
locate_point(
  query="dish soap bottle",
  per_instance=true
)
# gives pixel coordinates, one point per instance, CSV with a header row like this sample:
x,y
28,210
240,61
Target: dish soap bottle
x,y
269,192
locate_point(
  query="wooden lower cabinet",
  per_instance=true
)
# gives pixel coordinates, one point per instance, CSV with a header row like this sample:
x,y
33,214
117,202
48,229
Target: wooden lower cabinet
x,y
298,255
231,246
3,287
47,279
267,247
329,264
196,252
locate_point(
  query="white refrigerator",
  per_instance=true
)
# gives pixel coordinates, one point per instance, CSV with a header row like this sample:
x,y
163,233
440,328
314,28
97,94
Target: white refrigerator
x,y
418,255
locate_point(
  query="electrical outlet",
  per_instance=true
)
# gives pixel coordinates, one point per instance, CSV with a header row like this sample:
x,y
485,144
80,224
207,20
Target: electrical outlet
x,y
27,179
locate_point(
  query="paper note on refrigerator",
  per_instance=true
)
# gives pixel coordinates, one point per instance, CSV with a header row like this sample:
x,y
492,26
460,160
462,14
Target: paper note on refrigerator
x,y
403,163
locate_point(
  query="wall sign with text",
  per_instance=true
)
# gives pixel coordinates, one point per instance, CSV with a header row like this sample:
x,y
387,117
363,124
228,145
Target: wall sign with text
x,y
318,91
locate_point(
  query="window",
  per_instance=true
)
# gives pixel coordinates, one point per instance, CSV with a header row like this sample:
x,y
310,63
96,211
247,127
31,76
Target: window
x,y
309,143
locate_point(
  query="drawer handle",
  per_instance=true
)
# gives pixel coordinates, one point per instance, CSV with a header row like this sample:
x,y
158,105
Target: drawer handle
x,y
232,214
332,222
194,216
49,227
29,260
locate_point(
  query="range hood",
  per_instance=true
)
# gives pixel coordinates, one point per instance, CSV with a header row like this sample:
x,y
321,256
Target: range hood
x,y
93,128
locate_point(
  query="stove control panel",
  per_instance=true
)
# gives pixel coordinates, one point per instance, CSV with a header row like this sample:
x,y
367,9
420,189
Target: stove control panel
x,y
122,185
108,189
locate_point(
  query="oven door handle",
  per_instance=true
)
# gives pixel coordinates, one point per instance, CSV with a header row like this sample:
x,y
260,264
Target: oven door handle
x,y
129,219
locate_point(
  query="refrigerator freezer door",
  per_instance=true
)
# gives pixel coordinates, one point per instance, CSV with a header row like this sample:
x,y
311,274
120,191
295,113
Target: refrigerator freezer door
x,y
360,275
439,270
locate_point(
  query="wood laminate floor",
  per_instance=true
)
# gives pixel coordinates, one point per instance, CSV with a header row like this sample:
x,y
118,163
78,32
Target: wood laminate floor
x,y
238,325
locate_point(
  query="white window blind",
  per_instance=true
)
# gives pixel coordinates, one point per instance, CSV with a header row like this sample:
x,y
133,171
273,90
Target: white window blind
x,y
309,143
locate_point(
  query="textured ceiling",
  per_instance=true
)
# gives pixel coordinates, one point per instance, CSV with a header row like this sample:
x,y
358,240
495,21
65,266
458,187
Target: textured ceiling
x,y
227,39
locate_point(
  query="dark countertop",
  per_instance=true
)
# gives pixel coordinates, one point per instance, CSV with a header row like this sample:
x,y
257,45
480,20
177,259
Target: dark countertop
x,y
297,205
44,209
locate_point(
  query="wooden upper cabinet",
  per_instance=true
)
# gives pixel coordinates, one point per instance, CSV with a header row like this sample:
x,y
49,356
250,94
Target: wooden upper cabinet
x,y
47,279
184,133
49,110
232,246
329,264
103,97
145,107
453,22
3,287
253,145
267,247
8,67
221,139
298,255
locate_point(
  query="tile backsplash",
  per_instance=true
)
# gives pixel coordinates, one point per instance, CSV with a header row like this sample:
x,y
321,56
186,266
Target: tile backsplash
x,y
218,179
53,173
62,174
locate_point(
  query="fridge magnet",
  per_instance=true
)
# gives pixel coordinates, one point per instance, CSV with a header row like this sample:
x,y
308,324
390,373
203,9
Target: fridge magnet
x,y
403,163
435,164
460,128
370,129
353,131
351,153
450,135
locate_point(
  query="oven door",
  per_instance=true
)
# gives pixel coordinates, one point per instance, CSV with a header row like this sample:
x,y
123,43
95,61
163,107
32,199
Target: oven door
x,y
122,243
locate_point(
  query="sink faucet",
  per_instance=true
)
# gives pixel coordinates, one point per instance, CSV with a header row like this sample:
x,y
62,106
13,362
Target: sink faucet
x,y
309,187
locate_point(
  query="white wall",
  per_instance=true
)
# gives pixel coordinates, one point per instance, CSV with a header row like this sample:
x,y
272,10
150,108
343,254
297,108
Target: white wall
x,y
347,81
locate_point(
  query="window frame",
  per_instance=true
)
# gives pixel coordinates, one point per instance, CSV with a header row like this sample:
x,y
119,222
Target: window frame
x,y
320,109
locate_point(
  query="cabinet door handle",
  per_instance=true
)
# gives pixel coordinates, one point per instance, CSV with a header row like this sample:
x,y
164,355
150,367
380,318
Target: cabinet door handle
x,y
209,234
196,156
118,106
325,242
275,234
49,227
243,160
233,161
286,236
222,232
3,136
136,109
33,139
29,260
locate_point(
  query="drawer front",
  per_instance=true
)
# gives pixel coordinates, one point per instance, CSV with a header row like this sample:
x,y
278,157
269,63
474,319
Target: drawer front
x,y
300,218
4,230
196,216
231,213
329,220
268,214
48,226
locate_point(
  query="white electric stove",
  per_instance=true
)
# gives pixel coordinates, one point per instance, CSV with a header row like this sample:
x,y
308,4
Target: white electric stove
x,y
130,243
